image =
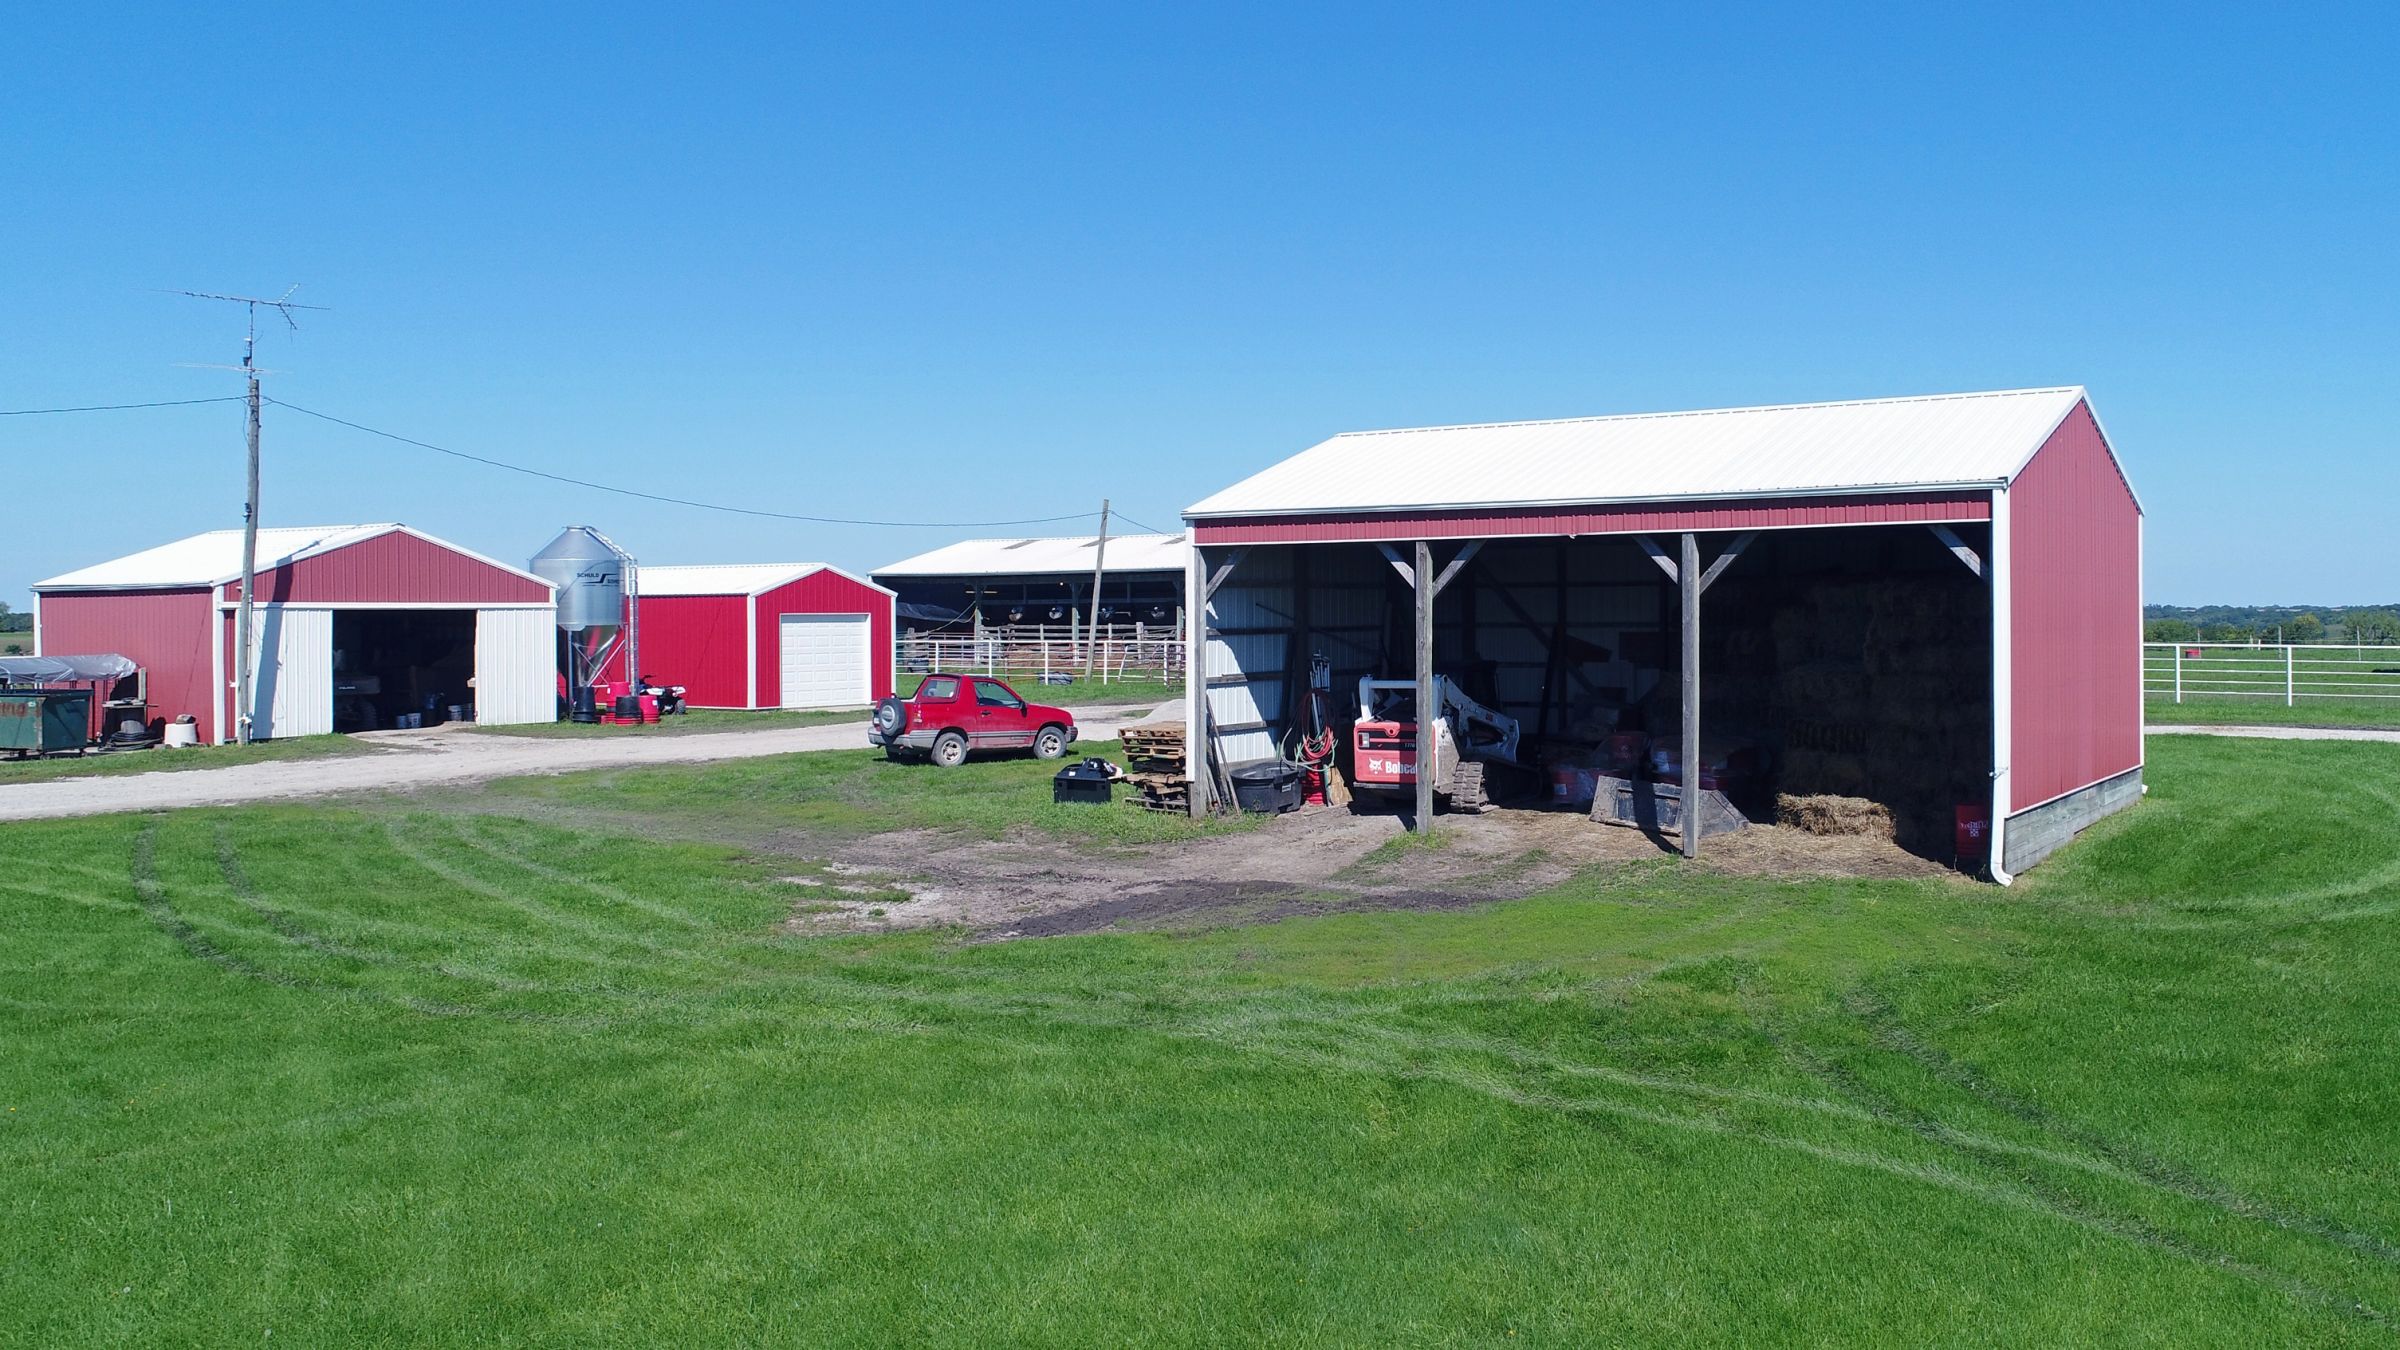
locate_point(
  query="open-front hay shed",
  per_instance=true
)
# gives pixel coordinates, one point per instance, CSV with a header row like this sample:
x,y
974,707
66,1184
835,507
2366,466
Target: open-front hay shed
x,y
1930,606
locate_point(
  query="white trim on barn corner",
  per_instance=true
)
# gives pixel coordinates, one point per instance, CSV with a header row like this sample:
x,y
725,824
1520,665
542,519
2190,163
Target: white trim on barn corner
x,y
2004,685
37,624
215,623
750,652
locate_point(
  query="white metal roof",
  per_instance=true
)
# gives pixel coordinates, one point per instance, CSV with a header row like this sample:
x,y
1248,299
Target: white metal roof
x,y
1071,556
1880,445
728,578
215,558
210,559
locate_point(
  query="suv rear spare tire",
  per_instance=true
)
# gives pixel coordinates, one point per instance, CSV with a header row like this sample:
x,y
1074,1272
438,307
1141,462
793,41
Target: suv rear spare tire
x,y
891,716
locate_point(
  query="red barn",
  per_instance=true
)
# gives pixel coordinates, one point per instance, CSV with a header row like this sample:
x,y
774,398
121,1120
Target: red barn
x,y
766,635
1933,603
356,625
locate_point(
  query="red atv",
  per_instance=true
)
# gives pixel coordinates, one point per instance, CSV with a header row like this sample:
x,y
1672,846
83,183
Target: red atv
x,y
953,715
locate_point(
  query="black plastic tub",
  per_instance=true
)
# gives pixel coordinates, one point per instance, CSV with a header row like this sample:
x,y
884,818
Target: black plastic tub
x,y
1267,789
1086,783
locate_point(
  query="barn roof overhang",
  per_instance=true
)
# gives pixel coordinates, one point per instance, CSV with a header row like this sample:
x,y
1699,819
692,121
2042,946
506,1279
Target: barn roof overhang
x,y
1819,463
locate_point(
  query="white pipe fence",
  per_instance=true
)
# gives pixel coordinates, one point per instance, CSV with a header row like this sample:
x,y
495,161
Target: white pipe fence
x,y
2291,672
1044,654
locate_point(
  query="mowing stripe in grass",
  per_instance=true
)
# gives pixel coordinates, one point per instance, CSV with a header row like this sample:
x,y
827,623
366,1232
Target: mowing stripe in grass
x,y
545,916
1884,1023
238,881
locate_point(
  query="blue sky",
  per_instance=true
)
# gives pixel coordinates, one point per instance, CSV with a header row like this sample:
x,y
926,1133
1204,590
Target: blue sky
x,y
1000,262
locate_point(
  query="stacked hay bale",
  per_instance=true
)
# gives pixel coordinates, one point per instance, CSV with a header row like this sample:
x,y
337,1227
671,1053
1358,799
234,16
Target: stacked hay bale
x,y
1885,694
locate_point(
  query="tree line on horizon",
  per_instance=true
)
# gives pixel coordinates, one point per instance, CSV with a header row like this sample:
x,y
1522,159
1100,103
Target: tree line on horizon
x,y
2368,625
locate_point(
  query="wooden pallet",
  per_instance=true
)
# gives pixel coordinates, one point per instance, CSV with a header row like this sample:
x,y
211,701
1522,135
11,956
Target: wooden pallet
x,y
1159,790
1160,741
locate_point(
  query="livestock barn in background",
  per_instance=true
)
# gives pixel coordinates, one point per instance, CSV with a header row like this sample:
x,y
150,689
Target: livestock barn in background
x,y
355,626
766,635
1044,582
1933,603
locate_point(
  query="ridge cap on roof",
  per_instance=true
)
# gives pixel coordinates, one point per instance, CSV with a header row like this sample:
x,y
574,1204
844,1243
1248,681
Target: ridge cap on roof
x,y
1718,412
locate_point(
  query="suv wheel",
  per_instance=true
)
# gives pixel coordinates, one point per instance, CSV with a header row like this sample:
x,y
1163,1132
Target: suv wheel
x,y
1049,743
891,716
949,750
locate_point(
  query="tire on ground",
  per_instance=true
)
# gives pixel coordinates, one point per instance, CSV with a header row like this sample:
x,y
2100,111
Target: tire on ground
x,y
949,749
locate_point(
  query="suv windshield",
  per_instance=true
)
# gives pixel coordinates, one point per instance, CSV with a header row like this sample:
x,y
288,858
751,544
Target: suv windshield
x,y
938,688
993,694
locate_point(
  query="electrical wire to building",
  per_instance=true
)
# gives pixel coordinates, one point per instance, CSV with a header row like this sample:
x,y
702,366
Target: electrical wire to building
x,y
671,501
120,407
577,482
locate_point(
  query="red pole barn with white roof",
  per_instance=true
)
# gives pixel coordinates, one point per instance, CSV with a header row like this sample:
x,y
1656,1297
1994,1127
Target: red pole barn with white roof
x,y
356,625
766,635
1932,603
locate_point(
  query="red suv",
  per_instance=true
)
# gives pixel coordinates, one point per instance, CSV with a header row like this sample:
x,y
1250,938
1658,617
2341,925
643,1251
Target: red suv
x,y
954,714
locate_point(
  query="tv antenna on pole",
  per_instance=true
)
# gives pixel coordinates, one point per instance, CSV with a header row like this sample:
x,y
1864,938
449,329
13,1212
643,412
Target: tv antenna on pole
x,y
244,658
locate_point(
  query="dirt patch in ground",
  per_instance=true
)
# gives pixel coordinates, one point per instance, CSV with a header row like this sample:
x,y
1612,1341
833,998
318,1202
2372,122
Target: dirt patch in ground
x,y
1318,862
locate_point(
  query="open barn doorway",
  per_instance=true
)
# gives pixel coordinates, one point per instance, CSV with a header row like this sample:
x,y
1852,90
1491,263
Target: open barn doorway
x,y
396,664
1845,672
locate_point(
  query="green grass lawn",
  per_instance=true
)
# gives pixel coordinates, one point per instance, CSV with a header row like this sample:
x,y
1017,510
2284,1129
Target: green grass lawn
x,y
697,722
168,761
359,1075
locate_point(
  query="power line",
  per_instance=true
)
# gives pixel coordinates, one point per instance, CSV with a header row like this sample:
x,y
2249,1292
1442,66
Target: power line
x,y
1146,529
122,407
657,497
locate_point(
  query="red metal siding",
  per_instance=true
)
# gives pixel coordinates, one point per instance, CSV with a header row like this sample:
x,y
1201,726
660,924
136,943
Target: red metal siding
x,y
2075,610
165,632
821,593
1627,518
394,568
700,642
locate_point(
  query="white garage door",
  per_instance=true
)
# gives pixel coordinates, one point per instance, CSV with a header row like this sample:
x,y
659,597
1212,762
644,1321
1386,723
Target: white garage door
x,y
826,660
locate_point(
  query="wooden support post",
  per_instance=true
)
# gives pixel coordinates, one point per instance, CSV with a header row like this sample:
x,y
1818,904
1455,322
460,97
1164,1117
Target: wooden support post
x,y
1426,709
1688,576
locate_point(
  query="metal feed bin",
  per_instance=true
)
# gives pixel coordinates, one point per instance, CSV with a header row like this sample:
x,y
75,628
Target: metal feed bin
x,y
597,590
45,722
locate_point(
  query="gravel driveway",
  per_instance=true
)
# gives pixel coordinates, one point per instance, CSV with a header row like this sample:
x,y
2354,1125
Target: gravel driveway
x,y
427,759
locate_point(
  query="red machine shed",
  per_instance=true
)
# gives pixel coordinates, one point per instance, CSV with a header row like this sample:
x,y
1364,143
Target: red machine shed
x,y
355,625
766,635
1933,599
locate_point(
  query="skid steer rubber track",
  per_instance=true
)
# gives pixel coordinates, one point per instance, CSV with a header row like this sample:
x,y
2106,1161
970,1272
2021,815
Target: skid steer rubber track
x,y
1466,795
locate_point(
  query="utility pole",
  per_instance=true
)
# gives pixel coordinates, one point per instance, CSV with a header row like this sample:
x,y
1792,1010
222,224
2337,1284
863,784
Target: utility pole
x,y
245,660
1091,636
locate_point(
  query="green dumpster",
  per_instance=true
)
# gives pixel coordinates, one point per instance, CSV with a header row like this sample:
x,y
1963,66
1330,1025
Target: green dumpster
x,y
42,722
